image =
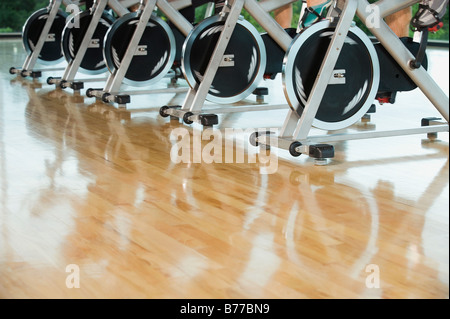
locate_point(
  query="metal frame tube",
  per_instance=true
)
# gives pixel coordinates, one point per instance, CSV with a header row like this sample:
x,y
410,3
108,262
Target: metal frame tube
x,y
128,3
121,7
175,16
277,33
376,134
180,4
74,65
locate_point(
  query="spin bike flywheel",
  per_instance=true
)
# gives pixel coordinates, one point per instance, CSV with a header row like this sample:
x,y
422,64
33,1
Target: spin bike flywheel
x,y
242,66
92,62
154,55
353,85
51,51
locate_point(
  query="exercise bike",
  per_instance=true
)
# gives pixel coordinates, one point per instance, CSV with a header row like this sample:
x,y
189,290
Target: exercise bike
x,y
41,38
82,42
225,59
332,74
141,48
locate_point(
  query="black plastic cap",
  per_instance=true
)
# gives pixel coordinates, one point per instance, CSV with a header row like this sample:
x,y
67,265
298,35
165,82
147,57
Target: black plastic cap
x,y
321,151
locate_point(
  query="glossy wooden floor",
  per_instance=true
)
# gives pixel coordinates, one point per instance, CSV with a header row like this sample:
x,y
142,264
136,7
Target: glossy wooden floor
x,y
85,184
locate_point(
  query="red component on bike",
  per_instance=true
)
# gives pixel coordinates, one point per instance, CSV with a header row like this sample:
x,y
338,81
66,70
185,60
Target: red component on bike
x,y
384,100
437,27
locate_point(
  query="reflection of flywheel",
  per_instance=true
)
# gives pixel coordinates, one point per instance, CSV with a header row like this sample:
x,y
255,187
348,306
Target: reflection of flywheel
x,y
51,51
242,66
353,85
154,55
92,62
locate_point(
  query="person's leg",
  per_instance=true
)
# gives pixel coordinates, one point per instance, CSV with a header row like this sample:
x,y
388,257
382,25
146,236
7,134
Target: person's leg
x,y
399,22
284,16
312,3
